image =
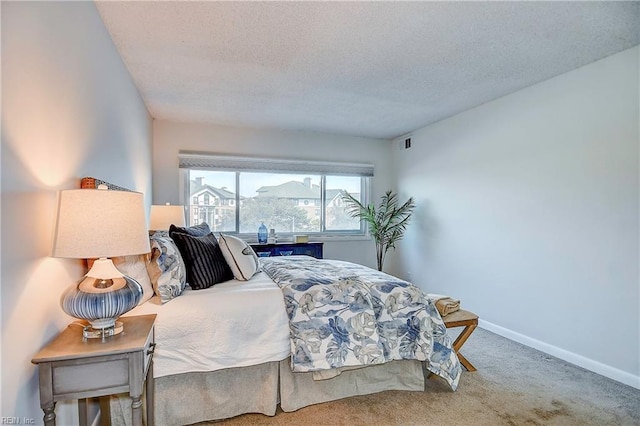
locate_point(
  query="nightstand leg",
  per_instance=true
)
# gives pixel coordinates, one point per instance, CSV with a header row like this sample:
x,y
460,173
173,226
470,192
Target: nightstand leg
x,y
49,415
136,410
150,396
47,403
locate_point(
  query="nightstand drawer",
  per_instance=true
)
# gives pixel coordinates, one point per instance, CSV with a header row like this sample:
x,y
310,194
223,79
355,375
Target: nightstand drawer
x,y
107,375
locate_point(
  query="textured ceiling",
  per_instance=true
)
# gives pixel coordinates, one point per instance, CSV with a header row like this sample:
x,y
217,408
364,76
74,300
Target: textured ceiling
x,y
373,69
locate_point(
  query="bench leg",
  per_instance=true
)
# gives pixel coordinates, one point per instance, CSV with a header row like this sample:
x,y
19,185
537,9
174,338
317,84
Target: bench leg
x,y
458,344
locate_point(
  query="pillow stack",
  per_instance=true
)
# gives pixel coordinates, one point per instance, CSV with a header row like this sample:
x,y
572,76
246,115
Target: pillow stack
x,y
188,256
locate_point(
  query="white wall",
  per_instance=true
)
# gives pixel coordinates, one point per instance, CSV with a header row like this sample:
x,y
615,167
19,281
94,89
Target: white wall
x,y
528,212
69,109
171,137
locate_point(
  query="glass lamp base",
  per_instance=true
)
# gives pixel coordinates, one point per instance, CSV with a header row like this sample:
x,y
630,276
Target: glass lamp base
x,y
89,332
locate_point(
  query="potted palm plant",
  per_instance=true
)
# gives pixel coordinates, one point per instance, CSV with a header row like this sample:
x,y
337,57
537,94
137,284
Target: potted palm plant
x,y
387,222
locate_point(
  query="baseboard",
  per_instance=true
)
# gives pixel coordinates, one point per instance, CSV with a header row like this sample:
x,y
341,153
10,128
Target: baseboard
x,y
579,360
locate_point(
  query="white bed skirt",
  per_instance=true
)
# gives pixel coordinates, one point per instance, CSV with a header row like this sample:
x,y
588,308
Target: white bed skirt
x,y
299,390
195,397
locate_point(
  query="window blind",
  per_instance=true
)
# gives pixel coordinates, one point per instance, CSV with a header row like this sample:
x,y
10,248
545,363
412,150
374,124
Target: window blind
x,y
188,160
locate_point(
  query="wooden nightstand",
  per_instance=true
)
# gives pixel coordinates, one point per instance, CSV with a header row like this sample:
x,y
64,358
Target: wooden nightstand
x,y
71,367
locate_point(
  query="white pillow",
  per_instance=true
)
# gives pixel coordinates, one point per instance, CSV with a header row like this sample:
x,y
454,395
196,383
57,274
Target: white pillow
x,y
136,267
240,256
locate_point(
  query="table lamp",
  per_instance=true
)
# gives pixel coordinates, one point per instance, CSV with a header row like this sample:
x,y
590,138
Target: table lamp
x,y
99,224
163,216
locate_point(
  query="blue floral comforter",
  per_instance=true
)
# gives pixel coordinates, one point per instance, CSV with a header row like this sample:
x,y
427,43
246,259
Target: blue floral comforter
x,y
342,314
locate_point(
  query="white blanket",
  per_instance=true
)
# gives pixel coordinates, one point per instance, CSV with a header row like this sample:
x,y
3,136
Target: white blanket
x,y
232,324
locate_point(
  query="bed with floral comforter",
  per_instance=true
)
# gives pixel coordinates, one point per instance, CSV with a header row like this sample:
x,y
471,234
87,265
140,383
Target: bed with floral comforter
x,y
346,315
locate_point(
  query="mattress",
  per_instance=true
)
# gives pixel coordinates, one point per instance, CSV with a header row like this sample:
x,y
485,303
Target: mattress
x,y
232,324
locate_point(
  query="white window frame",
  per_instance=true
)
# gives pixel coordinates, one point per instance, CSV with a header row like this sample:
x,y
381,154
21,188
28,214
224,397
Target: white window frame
x,y
211,162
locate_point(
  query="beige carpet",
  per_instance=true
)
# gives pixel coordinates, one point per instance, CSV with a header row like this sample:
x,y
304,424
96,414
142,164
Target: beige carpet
x,y
514,385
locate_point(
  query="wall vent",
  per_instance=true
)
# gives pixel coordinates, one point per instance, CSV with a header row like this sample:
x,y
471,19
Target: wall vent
x,y
403,142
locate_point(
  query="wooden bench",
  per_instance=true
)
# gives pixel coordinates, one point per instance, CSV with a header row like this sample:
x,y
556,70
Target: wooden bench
x,y
469,321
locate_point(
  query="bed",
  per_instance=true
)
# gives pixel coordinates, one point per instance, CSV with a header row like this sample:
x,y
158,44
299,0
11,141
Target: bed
x,y
286,331
234,339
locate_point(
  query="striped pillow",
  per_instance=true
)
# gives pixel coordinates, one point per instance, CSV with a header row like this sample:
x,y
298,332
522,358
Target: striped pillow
x,y
203,259
195,230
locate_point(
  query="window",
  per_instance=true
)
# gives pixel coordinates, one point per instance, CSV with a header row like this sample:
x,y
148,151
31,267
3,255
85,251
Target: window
x,y
291,197
337,218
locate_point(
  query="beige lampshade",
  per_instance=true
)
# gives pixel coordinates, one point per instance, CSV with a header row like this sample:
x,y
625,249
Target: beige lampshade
x,y
94,223
164,216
